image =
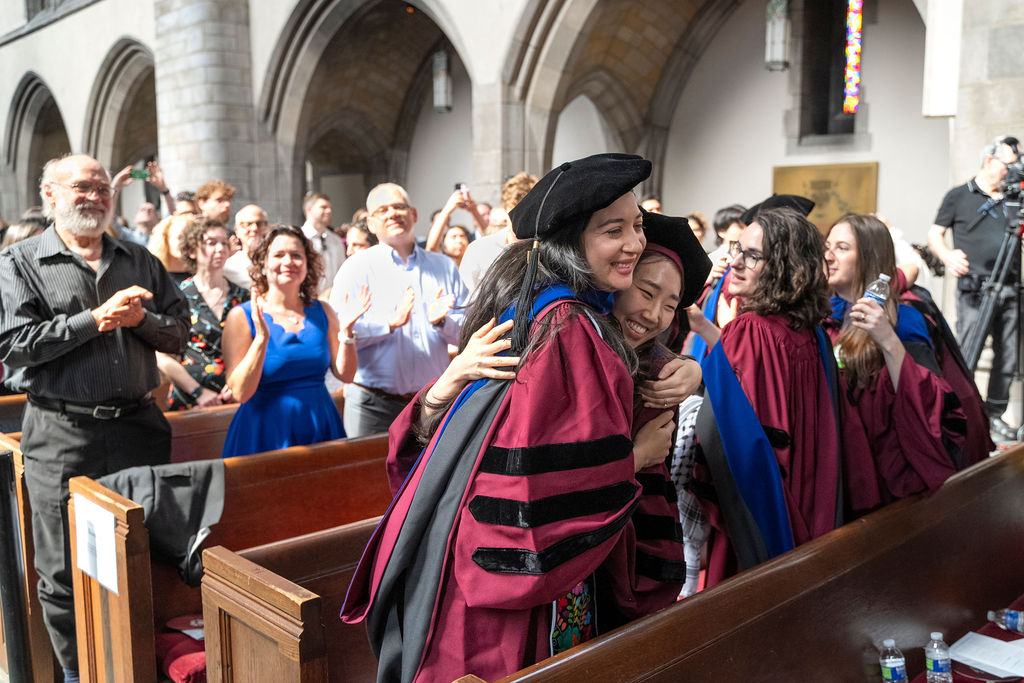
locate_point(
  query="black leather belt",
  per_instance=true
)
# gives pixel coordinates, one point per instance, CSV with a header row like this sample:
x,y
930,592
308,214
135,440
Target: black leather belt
x,y
98,412
398,398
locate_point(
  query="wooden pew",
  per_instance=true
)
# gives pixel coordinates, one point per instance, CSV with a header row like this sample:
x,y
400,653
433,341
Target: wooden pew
x,y
268,496
44,663
195,435
817,613
271,612
199,434
11,409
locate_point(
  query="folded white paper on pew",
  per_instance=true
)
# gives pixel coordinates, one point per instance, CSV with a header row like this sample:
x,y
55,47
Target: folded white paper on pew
x,y
990,654
97,554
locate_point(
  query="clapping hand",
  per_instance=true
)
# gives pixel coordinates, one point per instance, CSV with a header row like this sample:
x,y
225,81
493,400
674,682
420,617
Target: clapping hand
x,y
440,306
351,313
259,323
404,309
123,309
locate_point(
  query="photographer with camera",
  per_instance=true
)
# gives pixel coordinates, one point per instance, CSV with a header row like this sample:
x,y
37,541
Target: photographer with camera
x,y
977,215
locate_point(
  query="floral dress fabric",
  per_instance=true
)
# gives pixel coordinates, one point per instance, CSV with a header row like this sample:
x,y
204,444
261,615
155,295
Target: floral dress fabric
x,y
203,358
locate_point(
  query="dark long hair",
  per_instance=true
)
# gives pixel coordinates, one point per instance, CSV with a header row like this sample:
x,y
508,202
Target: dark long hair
x,y
561,262
860,355
792,281
314,264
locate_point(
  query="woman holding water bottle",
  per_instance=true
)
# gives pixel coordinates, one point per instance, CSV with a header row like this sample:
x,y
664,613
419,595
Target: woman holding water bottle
x,y
902,411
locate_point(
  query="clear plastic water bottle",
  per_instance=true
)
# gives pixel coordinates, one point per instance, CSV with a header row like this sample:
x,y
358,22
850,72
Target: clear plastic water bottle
x,y
1009,619
894,666
938,665
879,289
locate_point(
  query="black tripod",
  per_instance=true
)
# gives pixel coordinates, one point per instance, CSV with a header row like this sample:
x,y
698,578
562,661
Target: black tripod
x,y
1009,249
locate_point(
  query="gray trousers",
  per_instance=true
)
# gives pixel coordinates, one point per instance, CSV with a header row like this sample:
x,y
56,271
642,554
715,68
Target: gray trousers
x,y
58,447
367,413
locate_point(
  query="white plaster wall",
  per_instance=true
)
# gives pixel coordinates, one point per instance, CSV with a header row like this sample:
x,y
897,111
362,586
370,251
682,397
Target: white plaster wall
x,y
12,15
267,19
441,153
483,31
70,79
581,131
729,131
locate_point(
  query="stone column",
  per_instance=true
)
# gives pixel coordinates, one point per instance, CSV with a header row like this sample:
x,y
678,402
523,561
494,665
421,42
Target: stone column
x,y
498,146
991,94
205,113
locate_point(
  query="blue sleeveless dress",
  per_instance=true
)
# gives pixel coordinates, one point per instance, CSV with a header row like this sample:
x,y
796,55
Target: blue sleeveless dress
x,y
291,406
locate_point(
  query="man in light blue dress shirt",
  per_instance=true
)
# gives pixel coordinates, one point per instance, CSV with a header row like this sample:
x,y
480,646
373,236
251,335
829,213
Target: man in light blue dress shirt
x,y
417,311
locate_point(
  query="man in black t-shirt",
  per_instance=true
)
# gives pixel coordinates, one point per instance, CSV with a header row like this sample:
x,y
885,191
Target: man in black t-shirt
x,y
977,217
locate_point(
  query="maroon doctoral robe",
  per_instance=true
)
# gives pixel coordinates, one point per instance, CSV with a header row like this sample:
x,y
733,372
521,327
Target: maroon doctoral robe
x,y
784,380
904,440
955,371
647,570
546,498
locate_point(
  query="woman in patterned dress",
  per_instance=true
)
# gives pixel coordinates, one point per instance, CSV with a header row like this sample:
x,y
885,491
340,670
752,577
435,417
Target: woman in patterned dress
x,y
197,379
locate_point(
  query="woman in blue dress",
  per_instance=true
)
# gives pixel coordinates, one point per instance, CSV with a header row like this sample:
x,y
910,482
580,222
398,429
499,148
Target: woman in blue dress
x,y
279,346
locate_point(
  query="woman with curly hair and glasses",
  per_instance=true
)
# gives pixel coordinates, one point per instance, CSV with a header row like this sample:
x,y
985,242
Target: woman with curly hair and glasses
x,y
279,345
769,425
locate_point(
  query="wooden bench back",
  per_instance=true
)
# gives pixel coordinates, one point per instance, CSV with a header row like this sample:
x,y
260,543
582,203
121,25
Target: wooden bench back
x,y
44,663
195,435
288,593
268,497
12,407
199,434
818,613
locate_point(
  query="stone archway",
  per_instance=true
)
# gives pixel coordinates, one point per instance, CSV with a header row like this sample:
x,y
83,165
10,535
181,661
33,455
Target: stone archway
x,y
35,134
631,58
353,61
120,120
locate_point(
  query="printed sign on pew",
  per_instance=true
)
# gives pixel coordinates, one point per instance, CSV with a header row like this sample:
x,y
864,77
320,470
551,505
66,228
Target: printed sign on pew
x,y
95,529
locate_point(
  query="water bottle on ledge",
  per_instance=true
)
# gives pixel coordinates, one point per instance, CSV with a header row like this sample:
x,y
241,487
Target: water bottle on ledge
x,y
879,289
1009,619
939,667
894,666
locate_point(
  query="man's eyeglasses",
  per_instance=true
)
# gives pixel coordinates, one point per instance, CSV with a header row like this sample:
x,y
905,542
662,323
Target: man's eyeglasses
x,y
750,258
252,224
382,211
86,189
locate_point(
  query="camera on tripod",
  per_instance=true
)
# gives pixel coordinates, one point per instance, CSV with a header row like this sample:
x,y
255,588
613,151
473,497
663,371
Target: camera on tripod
x,y
1013,183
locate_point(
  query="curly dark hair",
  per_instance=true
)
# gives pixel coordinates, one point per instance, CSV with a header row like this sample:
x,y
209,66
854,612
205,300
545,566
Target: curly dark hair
x,y
192,237
792,281
314,264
